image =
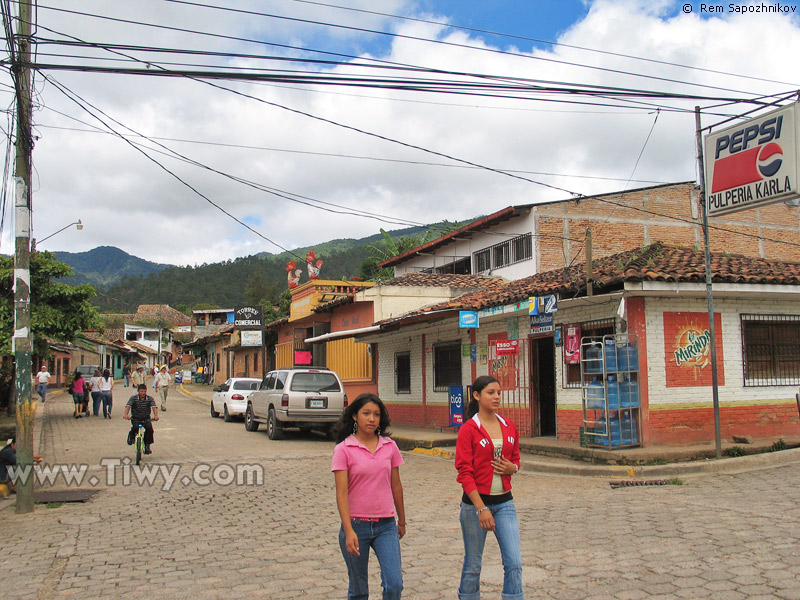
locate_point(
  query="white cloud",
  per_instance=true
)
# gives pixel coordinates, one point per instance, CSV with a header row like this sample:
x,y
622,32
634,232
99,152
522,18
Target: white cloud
x,y
127,201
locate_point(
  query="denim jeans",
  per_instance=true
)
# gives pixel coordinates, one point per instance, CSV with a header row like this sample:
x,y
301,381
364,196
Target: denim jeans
x,y
107,399
97,398
383,538
41,389
507,534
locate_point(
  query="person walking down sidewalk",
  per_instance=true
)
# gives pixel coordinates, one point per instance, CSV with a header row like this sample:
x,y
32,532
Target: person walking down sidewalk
x,y
366,469
42,378
137,409
106,385
487,455
126,374
97,394
138,377
78,395
162,382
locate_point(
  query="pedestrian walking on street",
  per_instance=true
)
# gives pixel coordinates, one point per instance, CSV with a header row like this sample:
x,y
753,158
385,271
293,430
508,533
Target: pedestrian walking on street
x,y
366,468
106,385
78,394
42,378
138,377
126,374
161,384
487,455
97,394
137,409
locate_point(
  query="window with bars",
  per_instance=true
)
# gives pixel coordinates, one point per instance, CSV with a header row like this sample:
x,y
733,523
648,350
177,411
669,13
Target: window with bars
x,y
446,365
505,253
599,328
402,372
771,350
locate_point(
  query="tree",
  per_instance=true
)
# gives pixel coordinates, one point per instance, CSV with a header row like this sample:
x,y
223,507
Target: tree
x,y
58,310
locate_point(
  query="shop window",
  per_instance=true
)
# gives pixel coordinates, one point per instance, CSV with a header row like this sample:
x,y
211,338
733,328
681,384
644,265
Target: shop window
x,y
402,372
446,366
771,350
572,373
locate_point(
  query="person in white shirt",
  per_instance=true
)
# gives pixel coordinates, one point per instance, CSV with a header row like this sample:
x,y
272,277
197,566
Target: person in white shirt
x,y
106,385
42,378
162,382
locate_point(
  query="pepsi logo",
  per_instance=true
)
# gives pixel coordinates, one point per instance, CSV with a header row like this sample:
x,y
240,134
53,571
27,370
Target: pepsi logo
x,y
770,159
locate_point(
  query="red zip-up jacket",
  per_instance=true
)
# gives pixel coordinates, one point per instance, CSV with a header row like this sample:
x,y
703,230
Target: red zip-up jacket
x,y
475,451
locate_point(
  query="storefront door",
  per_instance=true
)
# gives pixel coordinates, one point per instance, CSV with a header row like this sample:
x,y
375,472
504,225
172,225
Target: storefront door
x,y
542,386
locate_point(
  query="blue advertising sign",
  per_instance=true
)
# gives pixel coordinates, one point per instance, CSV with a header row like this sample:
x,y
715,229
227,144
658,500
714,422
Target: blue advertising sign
x,y
468,319
456,405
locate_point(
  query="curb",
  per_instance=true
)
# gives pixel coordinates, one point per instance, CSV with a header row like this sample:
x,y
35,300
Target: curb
x,y
194,396
568,467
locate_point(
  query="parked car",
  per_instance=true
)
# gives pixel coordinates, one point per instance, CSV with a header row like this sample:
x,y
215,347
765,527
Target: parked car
x,y
230,398
88,370
308,398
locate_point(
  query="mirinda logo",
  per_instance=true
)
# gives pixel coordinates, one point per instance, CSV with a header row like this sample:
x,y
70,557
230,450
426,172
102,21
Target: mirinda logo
x,y
745,164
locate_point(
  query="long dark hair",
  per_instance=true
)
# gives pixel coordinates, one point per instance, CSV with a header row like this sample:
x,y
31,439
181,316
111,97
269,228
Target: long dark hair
x,y
477,387
344,427
106,374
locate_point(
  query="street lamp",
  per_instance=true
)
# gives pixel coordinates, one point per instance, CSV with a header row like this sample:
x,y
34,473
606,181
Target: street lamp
x,y
79,227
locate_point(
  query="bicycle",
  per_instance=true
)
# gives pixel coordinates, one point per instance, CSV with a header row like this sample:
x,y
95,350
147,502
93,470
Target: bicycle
x,y
139,443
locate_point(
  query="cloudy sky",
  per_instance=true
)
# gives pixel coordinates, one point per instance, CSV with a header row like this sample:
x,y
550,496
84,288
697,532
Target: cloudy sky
x,y
188,169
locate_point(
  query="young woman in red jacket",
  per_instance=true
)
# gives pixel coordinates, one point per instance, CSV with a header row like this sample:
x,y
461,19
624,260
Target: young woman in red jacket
x,y
487,455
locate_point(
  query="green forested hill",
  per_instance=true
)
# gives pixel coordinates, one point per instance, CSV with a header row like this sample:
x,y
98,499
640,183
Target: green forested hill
x,y
229,283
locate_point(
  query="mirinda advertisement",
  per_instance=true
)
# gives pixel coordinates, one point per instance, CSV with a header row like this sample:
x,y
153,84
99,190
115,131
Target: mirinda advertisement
x,y
687,348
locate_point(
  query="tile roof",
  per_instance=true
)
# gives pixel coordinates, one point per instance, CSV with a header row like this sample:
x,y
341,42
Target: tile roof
x,y
139,347
657,262
162,311
444,280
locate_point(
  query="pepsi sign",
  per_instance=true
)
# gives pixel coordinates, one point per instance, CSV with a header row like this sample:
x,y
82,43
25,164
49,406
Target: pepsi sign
x,y
752,163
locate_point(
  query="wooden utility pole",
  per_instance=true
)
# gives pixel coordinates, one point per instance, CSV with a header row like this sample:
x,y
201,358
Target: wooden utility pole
x,y
589,268
22,340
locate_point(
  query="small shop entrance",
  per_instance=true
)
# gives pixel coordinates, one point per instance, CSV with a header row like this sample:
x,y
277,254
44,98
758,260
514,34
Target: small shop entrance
x,y
543,389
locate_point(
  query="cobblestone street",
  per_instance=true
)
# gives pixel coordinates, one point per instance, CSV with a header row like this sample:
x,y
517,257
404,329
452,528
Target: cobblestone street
x,y
726,536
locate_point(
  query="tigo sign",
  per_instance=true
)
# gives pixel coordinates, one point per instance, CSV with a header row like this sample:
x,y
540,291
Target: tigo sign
x,y
753,163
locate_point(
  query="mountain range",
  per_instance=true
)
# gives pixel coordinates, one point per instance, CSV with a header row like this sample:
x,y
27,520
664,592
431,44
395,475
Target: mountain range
x,y
123,281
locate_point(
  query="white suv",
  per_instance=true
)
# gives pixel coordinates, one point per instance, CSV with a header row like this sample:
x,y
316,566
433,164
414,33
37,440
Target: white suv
x,y
308,398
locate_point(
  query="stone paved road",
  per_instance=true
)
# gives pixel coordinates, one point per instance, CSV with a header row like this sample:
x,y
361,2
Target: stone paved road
x,y
726,536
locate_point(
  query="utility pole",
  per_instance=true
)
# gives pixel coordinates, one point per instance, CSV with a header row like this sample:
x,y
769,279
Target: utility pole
x,y
22,340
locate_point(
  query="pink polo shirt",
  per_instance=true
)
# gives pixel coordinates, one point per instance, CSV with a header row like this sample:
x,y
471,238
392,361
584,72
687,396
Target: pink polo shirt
x,y
369,475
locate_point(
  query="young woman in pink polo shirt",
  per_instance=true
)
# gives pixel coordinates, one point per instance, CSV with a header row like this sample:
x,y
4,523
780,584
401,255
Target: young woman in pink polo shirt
x,y
487,455
366,467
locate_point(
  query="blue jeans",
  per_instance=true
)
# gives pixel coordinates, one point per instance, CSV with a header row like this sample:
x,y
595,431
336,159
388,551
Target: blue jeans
x,y
41,389
507,534
106,398
97,398
127,380
383,538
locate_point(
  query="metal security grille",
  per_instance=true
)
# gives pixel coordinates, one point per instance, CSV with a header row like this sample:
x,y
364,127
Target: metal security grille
x,y
505,253
770,350
446,366
599,328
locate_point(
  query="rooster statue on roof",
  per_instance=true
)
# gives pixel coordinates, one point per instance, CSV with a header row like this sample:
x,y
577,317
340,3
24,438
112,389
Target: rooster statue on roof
x,y
313,267
292,274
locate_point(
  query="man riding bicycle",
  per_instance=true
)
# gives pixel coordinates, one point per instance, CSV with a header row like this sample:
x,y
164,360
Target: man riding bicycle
x,y
137,409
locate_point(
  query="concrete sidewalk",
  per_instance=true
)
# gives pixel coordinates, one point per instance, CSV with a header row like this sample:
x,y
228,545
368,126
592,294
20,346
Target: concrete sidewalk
x,y
548,455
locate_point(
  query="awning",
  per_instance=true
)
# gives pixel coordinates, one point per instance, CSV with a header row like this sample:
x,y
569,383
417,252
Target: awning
x,y
326,337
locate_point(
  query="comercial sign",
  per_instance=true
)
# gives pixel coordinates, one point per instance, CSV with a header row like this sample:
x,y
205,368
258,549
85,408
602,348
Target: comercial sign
x,y
467,319
252,337
506,347
542,323
456,405
753,163
248,317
